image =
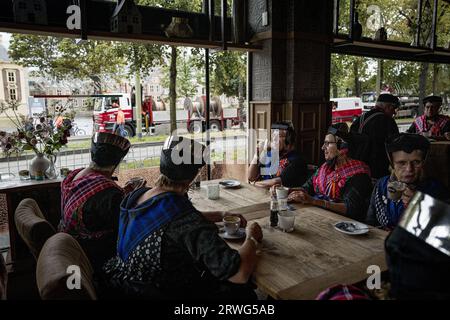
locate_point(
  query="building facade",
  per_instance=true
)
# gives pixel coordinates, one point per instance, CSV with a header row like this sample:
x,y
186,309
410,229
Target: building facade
x,y
13,82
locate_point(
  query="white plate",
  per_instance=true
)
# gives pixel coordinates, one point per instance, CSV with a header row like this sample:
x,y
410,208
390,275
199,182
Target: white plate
x,y
238,235
230,183
351,227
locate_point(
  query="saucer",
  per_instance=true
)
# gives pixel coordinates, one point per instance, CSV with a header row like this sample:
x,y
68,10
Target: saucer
x,y
238,235
230,183
351,227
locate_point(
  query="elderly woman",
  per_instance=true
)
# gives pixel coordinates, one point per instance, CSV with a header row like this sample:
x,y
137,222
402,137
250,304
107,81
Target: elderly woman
x,y
407,153
91,199
341,184
168,249
431,123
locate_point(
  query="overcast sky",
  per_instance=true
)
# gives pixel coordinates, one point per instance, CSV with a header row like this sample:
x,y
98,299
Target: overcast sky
x,y
5,39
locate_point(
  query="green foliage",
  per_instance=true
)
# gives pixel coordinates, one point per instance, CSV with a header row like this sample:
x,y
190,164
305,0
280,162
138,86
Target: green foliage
x,y
140,57
64,59
185,5
229,73
399,17
186,74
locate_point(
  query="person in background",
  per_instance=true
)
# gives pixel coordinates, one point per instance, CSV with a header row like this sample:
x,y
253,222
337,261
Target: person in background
x,y
167,249
378,124
90,199
341,184
266,171
120,121
432,124
407,153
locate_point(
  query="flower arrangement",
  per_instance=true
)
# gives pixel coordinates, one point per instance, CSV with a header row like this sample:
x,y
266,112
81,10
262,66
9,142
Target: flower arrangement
x,y
38,135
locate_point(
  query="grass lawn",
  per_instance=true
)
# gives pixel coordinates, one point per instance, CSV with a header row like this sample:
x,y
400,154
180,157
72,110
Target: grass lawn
x,y
84,144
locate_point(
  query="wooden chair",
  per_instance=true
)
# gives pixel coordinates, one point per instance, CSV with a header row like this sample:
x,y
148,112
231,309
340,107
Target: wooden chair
x,y
32,225
3,278
56,274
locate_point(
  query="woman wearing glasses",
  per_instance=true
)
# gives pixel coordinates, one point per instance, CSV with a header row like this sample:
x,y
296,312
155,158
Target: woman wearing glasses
x,y
341,184
407,153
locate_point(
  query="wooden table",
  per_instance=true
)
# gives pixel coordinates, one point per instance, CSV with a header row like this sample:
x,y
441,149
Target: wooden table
x,y
299,265
229,199
47,194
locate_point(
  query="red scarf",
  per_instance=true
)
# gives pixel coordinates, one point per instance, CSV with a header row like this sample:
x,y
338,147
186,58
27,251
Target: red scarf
x,y
422,125
329,181
74,194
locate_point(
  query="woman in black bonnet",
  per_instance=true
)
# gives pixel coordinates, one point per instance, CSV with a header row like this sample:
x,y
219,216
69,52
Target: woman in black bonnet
x,y
91,199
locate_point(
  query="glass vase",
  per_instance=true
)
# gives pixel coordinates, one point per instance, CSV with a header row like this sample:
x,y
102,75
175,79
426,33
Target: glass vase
x,y
38,167
179,28
51,172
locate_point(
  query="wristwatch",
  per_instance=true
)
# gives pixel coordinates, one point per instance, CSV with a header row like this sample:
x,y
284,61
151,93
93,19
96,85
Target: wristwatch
x,y
254,240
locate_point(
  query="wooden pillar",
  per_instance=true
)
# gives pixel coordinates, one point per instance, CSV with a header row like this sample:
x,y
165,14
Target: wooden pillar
x,y
290,77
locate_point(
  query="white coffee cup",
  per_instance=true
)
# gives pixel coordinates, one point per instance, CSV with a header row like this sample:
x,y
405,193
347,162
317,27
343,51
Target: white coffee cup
x,y
286,220
231,224
282,192
213,191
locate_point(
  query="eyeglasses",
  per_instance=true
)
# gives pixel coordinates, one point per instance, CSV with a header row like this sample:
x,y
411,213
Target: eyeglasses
x,y
405,164
327,143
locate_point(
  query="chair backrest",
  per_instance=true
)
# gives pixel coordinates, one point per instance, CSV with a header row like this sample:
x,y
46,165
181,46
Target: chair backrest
x,y
32,225
3,278
63,270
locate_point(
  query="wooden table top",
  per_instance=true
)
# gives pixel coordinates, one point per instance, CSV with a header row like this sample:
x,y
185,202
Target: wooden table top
x,y
229,199
315,256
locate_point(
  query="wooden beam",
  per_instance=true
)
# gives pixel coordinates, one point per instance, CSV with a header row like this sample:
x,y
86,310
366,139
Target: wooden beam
x,y
136,38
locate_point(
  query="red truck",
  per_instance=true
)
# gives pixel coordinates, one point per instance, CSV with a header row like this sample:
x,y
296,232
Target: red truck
x,y
156,112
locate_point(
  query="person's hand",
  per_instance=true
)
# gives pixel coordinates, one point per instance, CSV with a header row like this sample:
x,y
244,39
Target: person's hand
x,y
407,195
243,220
301,197
254,230
262,184
447,135
134,184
